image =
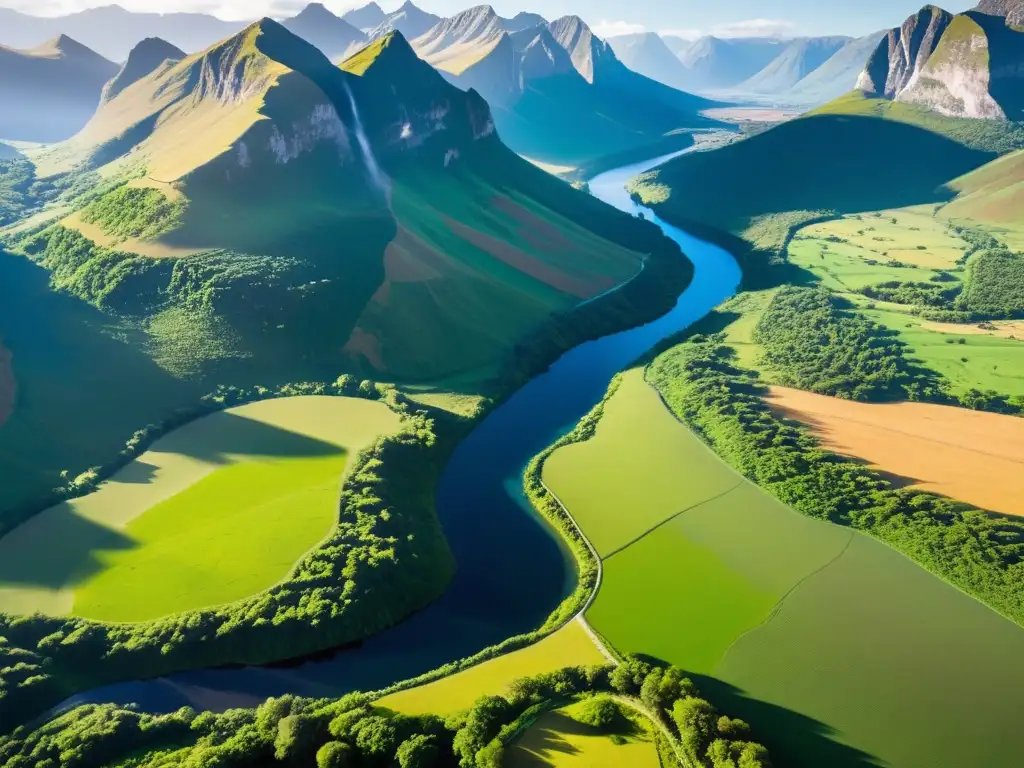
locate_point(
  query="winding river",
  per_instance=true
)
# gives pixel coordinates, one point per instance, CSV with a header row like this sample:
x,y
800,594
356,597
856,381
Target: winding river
x,y
513,570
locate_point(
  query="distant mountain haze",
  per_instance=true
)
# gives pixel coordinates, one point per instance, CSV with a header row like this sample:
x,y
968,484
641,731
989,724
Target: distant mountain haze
x,y
797,59
968,65
112,31
838,75
48,93
335,37
648,54
366,17
523,20
410,20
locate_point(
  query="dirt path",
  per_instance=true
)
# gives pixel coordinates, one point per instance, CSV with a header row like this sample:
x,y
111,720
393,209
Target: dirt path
x,y
970,456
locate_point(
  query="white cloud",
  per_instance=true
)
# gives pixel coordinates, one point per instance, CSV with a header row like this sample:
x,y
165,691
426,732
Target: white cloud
x,y
685,34
606,28
756,28
225,9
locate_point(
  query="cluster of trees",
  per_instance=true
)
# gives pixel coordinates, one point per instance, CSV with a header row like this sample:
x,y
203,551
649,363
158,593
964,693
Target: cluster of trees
x,y
16,177
139,212
813,343
351,732
977,551
995,288
386,559
931,294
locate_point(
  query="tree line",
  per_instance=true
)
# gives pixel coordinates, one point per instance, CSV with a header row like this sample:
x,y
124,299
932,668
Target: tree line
x,y
351,732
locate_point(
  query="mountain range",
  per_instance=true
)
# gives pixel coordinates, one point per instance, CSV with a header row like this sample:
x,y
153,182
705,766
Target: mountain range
x,y
801,72
964,65
113,31
559,93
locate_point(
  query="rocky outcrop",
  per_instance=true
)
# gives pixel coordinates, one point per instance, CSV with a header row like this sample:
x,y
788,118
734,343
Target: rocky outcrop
x,y
969,65
1011,10
903,53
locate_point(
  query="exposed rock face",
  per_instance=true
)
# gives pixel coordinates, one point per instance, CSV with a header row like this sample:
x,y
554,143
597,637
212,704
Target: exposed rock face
x,y
1011,10
586,50
970,65
903,52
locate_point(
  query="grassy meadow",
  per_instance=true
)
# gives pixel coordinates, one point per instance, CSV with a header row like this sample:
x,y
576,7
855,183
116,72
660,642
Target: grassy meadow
x,y
560,740
747,592
216,511
569,646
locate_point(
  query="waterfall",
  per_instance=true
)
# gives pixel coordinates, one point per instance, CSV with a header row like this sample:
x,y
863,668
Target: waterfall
x,y
376,175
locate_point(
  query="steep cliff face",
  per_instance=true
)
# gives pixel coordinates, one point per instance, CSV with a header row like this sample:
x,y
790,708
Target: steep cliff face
x,y
1011,10
969,65
903,52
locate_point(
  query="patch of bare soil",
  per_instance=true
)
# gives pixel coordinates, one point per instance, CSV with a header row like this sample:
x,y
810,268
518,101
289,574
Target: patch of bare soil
x,y
971,456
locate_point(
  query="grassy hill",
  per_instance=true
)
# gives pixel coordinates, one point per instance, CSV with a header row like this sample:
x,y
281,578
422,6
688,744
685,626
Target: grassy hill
x,y
799,166
48,93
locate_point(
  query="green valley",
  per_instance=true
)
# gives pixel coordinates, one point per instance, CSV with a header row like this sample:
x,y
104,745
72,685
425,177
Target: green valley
x,y
406,389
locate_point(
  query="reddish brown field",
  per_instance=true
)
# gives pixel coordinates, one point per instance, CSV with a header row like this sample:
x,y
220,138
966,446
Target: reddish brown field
x,y
974,457
579,287
8,388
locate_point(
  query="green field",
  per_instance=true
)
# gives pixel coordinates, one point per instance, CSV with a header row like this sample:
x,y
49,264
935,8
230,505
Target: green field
x,y
853,252
631,441
558,739
749,593
569,646
214,512
981,362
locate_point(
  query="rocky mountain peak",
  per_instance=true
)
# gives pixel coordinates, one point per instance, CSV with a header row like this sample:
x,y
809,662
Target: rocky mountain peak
x,y
903,52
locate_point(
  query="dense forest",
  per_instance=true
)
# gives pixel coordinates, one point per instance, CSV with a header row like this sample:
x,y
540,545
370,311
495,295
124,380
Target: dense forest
x,y
975,550
995,286
352,732
812,342
386,558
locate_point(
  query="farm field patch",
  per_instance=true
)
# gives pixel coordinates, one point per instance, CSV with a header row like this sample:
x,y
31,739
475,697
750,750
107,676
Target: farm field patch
x,y
626,479
970,456
558,739
865,646
743,591
215,511
980,362
569,646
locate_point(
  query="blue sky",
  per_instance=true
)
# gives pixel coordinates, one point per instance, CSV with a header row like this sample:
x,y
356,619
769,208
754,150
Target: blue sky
x,y
689,17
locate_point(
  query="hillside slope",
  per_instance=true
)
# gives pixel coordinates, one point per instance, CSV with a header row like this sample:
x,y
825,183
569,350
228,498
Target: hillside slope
x,y
50,92
822,162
